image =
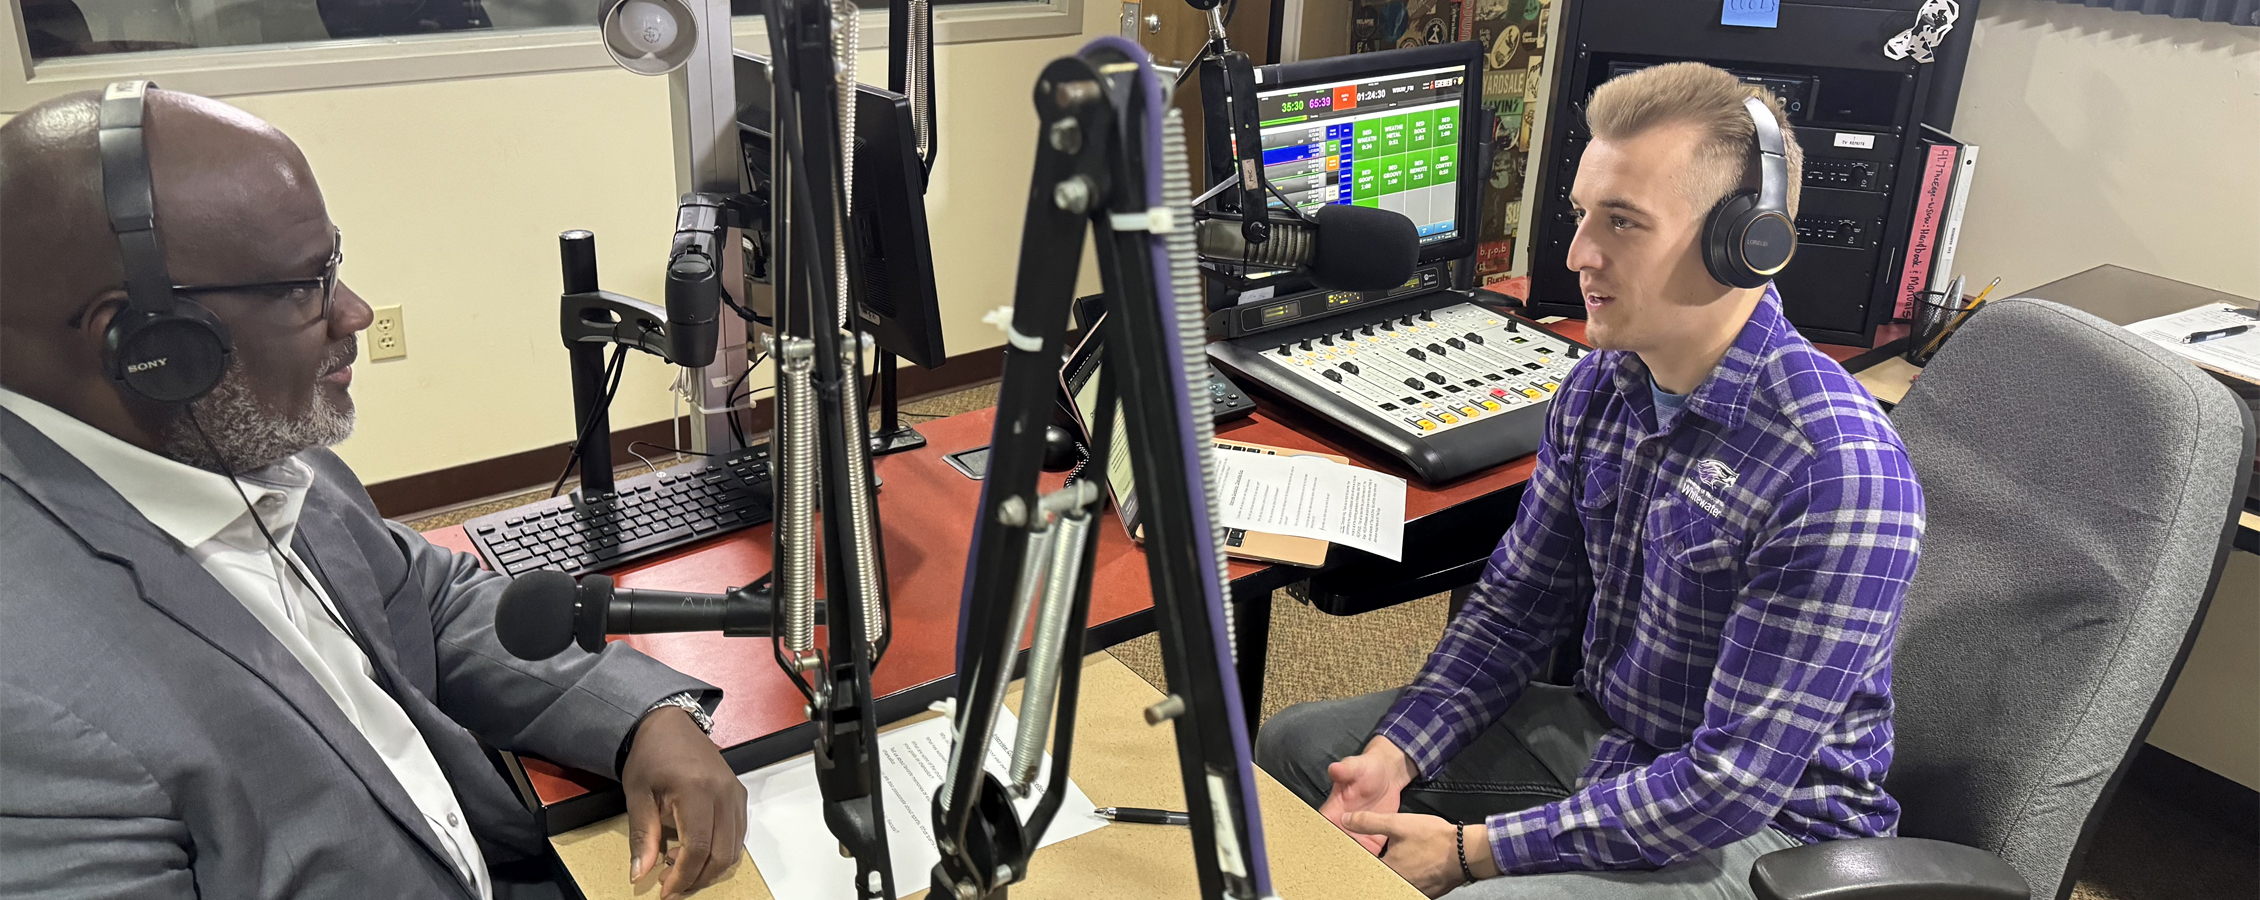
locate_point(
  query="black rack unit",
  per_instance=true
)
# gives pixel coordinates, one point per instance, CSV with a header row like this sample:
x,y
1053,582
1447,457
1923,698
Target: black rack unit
x,y
1857,115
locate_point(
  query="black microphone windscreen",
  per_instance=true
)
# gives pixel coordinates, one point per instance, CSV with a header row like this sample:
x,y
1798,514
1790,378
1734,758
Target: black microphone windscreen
x,y
1363,248
534,620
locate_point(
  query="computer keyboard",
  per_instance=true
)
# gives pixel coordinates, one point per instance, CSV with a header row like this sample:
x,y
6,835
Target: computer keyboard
x,y
645,515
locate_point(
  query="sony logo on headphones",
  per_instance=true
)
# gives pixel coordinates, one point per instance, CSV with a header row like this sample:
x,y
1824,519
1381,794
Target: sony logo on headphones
x,y
146,366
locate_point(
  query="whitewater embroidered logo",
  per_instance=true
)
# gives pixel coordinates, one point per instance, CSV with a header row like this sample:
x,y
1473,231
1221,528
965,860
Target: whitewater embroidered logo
x,y
1710,475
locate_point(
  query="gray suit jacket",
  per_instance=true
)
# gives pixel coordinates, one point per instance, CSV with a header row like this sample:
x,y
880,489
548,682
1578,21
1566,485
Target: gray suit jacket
x,y
157,741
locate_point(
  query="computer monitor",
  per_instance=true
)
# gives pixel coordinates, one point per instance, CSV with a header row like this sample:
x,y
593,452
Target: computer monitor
x,y
1389,129
1381,129
900,309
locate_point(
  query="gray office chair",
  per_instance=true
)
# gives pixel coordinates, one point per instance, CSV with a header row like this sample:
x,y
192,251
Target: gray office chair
x,y
2081,486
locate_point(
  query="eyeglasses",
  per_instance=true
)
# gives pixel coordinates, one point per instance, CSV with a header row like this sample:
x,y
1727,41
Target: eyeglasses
x,y
308,299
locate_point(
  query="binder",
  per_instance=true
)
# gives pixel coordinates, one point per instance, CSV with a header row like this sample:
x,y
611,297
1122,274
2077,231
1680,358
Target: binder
x,y
1942,271
1939,154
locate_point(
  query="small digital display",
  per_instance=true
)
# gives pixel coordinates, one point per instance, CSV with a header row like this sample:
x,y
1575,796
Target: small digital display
x,y
1390,141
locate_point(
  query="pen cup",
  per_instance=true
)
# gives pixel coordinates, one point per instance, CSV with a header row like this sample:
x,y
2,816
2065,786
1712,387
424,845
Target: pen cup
x,y
1935,315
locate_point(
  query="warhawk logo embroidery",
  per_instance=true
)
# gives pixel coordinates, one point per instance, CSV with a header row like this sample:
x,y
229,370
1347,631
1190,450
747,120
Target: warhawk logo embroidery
x,y
1710,475
1715,474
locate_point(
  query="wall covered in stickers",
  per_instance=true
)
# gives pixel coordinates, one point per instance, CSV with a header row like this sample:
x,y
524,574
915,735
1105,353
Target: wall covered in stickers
x,y
1513,33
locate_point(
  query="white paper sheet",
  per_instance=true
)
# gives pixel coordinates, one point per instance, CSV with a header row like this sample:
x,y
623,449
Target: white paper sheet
x,y
1314,497
2239,355
799,858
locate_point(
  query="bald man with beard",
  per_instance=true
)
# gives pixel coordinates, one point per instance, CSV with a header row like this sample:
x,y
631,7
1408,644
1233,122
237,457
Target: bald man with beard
x,y
222,674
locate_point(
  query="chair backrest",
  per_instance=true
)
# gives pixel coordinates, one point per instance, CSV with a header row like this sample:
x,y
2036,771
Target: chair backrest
x,y
2081,484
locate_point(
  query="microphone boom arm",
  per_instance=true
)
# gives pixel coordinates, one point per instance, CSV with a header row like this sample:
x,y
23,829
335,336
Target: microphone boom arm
x,y
818,443
1101,168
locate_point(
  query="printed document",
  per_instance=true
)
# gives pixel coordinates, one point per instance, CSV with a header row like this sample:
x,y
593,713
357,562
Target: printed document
x,y
2238,355
799,858
1313,497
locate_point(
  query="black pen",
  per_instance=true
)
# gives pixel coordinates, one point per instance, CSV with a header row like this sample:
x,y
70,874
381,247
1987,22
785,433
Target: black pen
x,y
2203,336
1137,816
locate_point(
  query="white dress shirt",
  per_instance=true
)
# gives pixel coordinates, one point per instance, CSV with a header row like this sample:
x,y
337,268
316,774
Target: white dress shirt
x,y
204,513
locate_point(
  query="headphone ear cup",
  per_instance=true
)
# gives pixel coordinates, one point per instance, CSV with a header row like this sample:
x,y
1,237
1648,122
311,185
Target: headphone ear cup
x,y
1766,241
1722,241
170,357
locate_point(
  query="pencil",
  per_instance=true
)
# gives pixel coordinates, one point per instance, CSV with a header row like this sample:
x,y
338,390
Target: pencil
x,y
1975,302
1989,286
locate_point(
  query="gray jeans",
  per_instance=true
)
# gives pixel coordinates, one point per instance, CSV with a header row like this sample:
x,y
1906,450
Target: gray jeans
x,y
1532,756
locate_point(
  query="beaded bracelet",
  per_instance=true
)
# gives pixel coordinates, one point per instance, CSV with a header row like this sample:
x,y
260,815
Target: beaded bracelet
x,y
1459,837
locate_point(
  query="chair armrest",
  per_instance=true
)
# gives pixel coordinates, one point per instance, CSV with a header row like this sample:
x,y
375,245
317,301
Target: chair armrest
x,y
1885,869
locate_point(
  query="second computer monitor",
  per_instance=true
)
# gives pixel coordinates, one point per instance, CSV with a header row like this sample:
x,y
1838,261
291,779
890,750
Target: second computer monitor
x,y
900,308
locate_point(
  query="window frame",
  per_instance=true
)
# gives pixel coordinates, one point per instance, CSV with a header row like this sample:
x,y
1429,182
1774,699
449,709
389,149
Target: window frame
x,y
367,62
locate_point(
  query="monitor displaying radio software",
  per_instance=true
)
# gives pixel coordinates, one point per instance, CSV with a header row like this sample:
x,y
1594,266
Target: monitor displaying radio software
x,y
1391,138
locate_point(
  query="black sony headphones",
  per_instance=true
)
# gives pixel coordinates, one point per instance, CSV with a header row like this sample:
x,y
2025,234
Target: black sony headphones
x,y
1750,237
162,346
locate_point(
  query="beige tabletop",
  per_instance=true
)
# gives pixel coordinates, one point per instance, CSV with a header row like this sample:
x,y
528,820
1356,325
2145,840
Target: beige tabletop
x,y
1889,380
1118,761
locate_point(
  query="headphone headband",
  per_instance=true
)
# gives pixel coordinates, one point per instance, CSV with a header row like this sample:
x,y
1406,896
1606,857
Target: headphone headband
x,y
1773,157
1749,236
161,347
128,197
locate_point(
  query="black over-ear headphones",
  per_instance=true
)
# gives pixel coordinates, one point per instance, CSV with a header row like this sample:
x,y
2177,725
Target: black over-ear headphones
x,y
1750,237
162,346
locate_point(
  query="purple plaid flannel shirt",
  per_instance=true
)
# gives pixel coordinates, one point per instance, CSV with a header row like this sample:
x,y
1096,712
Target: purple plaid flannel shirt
x,y
1743,570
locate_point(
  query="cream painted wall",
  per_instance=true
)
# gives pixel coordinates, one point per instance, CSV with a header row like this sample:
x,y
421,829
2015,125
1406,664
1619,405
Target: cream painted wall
x,y
452,194
2113,137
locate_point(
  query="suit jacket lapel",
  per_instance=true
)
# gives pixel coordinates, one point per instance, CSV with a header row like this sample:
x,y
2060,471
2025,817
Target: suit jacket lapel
x,y
177,586
346,576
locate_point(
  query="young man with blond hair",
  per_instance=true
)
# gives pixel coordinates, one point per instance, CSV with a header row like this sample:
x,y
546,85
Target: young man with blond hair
x,y
1735,521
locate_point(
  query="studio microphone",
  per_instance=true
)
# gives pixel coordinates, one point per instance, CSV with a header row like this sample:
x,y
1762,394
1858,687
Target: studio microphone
x,y
1349,248
543,612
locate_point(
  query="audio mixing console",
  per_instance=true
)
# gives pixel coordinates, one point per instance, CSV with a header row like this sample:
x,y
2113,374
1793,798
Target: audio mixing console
x,y
1444,384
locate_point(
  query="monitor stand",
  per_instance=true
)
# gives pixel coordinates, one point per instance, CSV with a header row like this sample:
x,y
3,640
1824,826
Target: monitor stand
x,y
892,436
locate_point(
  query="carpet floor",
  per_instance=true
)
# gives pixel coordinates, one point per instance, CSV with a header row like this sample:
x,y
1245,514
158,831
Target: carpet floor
x,y
2146,849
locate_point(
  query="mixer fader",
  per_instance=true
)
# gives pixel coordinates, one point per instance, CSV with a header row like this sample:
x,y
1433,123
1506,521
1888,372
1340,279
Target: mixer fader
x,y
1435,370
1449,387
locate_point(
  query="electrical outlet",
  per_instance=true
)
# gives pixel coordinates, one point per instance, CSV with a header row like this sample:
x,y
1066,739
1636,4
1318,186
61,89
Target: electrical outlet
x,y
388,335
